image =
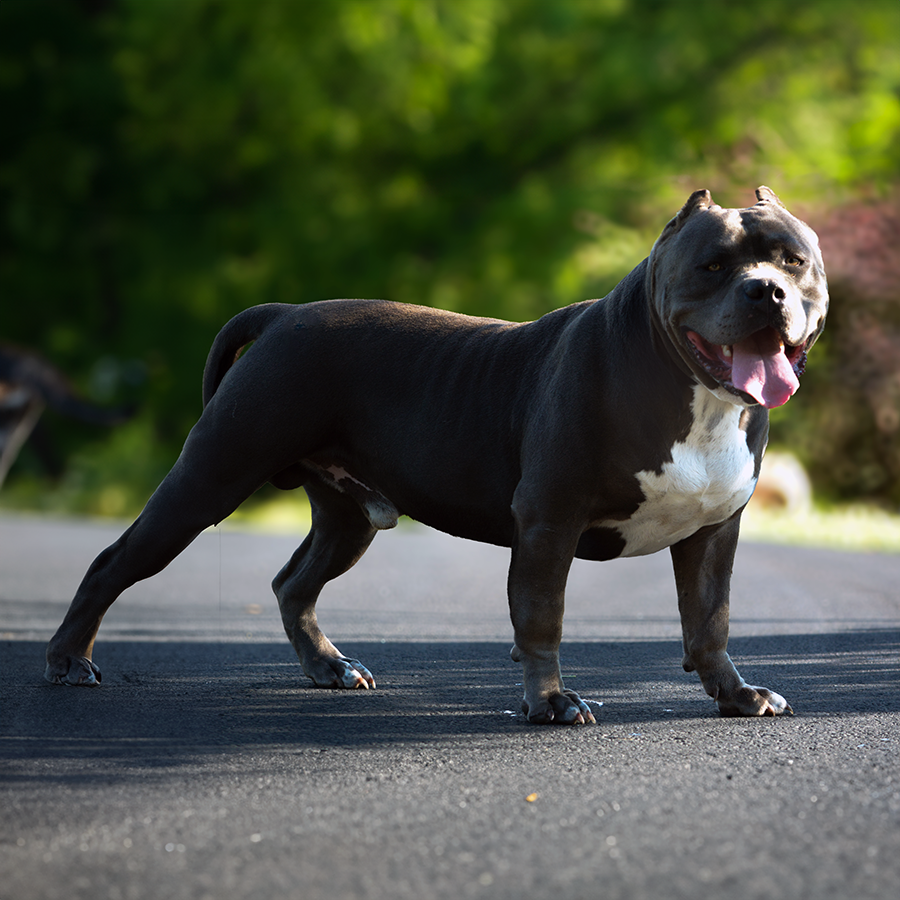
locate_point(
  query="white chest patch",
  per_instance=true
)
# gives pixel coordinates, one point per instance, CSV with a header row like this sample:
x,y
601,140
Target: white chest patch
x,y
709,477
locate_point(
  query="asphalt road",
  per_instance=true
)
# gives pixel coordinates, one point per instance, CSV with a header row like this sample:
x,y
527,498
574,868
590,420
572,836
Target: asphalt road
x,y
205,766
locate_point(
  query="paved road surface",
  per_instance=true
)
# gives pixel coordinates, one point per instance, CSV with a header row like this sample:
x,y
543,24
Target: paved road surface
x,y
206,767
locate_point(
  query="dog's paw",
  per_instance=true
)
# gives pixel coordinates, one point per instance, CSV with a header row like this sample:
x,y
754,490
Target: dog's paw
x,y
77,671
754,701
340,672
562,708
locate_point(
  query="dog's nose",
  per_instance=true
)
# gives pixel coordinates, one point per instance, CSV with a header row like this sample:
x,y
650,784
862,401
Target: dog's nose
x,y
764,290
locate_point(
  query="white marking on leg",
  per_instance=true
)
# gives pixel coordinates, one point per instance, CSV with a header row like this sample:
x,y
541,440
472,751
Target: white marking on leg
x,y
377,508
339,474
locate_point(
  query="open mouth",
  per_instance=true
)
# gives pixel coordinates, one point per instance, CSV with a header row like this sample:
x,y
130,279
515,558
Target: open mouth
x,y
761,365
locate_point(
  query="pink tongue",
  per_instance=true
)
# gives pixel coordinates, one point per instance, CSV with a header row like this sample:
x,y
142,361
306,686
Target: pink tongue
x,y
761,369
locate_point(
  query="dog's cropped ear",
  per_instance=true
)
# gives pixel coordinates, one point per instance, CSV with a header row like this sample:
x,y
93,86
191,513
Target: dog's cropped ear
x,y
766,194
697,200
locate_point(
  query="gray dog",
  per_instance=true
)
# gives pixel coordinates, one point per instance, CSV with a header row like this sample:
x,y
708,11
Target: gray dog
x,y
609,428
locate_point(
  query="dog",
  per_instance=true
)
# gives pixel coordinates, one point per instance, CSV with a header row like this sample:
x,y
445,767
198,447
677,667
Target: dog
x,y
613,427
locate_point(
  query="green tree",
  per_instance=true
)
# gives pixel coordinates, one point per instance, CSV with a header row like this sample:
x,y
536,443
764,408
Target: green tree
x,y
169,163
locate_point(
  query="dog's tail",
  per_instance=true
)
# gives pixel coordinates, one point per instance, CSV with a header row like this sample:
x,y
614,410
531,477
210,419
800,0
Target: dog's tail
x,y
243,329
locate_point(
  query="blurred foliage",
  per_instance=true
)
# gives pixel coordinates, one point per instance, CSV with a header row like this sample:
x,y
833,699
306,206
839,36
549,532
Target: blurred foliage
x,y
168,163
847,428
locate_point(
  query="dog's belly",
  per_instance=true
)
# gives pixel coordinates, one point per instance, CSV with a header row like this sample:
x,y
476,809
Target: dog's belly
x,y
710,476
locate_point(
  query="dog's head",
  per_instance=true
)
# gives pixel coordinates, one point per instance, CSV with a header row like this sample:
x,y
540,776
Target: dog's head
x,y
741,296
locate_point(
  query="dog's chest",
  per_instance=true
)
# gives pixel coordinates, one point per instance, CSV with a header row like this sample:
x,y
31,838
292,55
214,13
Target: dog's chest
x,y
710,476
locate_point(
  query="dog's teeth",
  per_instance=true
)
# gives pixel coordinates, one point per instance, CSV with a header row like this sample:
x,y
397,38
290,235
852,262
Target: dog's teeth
x,y
726,351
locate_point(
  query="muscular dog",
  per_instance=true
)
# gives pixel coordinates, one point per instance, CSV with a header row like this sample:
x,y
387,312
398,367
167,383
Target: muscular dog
x,y
609,428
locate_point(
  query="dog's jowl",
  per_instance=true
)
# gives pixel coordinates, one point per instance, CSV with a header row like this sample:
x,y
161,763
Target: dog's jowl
x,y
612,427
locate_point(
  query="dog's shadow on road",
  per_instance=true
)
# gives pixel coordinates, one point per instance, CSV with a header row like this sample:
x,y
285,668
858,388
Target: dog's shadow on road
x,y
163,702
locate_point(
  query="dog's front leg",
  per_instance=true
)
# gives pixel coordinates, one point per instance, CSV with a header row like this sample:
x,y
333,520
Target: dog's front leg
x,y
542,555
703,564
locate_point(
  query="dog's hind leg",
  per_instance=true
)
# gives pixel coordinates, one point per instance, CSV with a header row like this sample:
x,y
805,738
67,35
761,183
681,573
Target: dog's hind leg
x,y
193,496
339,536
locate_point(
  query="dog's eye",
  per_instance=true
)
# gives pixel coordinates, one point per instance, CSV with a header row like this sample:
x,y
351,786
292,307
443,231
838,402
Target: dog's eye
x,y
714,267
793,261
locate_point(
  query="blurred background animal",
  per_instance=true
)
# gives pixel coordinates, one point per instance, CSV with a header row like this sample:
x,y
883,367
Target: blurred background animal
x,y
28,385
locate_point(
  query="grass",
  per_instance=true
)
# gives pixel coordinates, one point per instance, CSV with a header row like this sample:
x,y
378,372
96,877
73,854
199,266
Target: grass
x,y
283,514
858,528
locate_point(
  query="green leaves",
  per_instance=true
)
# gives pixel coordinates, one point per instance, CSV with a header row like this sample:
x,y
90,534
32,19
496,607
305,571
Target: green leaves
x,y
169,163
